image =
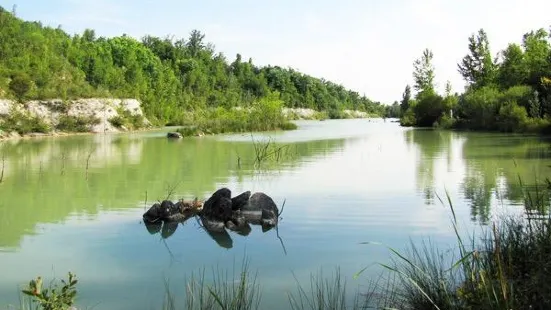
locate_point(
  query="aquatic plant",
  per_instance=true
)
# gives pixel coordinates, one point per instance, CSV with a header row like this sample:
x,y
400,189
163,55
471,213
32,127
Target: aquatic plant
x,y
326,293
53,298
507,267
235,292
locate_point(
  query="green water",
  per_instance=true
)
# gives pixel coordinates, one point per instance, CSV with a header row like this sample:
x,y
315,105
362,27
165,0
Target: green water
x,y
75,203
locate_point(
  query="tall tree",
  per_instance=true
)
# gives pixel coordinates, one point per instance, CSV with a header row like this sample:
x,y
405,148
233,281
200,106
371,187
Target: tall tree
x,y
512,70
478,68
195,42
406,97
423,73
537,55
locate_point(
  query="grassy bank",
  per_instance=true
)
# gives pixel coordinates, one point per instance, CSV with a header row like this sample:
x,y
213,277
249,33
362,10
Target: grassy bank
x,y
506,267
263,115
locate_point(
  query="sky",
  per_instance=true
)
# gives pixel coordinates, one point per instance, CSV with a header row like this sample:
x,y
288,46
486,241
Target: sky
x,y
366,45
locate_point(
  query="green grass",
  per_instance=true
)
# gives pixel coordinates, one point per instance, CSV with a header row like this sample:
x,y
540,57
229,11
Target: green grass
x,y
506,267
326,293
263,115
229,292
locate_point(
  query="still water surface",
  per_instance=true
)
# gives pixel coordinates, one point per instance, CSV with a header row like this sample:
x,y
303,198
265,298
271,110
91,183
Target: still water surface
x,y
75,204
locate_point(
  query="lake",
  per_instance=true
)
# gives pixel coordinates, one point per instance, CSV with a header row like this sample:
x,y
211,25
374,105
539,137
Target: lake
x,y
75,204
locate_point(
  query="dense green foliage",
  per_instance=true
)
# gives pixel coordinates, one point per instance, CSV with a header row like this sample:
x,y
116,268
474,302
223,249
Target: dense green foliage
x,y
168,76
260,116
510,93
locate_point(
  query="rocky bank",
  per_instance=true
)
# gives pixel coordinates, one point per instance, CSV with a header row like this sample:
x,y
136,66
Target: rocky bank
x,y
103,110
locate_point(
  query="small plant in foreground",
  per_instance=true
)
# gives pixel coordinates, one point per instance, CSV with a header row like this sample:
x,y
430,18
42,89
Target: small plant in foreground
x,y
236,292
325,293
53,298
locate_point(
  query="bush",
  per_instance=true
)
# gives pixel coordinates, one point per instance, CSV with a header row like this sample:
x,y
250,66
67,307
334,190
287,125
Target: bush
x,y
428,110
446,122
117,121
511,117
263,115
69,123
335,113
521,94
127,120
408,118
20,85
52,298
23,123
478,108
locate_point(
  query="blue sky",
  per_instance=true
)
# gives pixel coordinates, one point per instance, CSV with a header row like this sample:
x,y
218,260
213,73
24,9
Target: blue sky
x,y
366,45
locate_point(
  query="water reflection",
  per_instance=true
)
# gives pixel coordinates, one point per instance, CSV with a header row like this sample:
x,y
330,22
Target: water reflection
x,y
507,167
432,147
216,231
497,168
49,179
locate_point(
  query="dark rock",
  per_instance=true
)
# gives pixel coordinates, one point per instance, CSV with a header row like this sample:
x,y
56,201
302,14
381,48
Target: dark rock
x,y
180,217
219,205
265,204
269,216
153,214
239,224
215,229
266,228
169,228
253,217
245,230
212,225
174,135
239,201
218,213
222,238
168,208
153,227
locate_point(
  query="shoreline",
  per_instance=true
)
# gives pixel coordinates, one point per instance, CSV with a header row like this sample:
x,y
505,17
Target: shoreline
x,y
56,134
304,114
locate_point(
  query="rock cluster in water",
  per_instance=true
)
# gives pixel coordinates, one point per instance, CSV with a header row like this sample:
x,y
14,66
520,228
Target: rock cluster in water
x,y
218,213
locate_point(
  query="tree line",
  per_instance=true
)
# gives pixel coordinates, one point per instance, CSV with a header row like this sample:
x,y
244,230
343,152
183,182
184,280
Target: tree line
x,y
509,91
169,76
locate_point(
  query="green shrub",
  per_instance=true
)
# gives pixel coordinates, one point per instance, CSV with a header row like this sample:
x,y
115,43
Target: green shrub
x,y
263,115
52,298
446,122
70,123
511,117
428,110
288,126
408,118
20,85
23,123
127,119
335,113
320,115
117,121
520,94
478,108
